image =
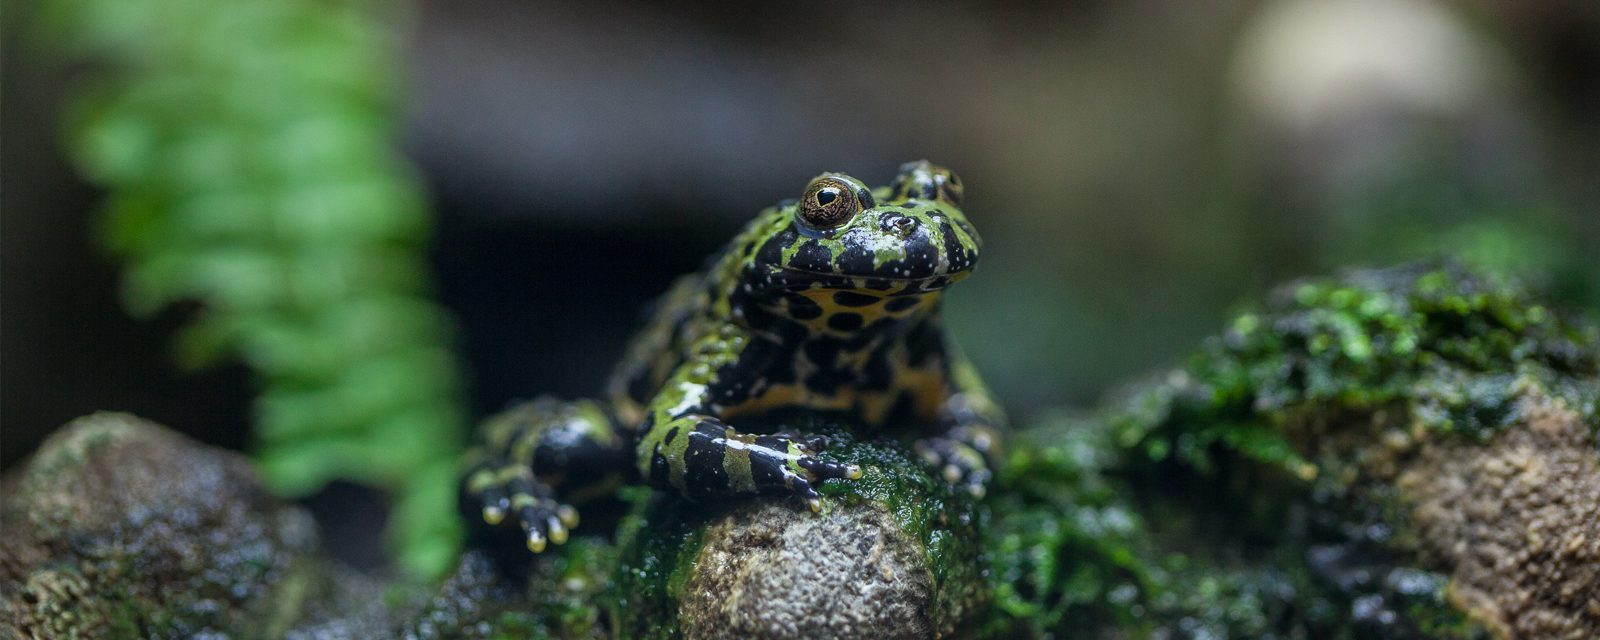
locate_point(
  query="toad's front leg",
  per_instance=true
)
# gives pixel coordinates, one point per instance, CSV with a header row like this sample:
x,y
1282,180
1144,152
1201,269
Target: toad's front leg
x,y
532,458
687,449
701,458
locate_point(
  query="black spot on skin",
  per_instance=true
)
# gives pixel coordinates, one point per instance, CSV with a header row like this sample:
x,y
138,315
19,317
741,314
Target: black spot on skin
x,y
733,396
823,351
753,314
827,382
923,342
951,194
877,375
857,259
845,321
660,471
879,326
958,255
853,299
782,369
802,308
766,470
904,405
671,435
771,253
812,256
859,341
702,463
789,332
902,303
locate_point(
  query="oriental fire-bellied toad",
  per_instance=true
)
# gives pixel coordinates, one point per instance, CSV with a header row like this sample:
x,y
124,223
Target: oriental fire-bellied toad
x,y
830,302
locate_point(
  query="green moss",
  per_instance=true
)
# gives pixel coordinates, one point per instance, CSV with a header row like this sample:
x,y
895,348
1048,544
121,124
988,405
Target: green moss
x,y
1217,500
1437,335
561,595
658,547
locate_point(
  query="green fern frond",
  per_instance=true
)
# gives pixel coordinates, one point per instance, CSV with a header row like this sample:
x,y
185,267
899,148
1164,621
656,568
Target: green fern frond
x,y
248,151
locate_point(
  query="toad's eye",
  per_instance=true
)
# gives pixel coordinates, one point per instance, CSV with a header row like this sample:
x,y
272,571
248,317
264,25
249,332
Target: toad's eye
x,y
832,200
950,189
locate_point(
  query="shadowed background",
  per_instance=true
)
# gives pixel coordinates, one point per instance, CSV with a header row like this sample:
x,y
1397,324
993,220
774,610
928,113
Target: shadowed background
x,y
1136,169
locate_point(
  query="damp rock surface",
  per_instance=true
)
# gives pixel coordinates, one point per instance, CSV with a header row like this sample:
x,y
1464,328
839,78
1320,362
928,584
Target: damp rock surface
x,y
893,555
119,528
1517,521
773,571
1405,453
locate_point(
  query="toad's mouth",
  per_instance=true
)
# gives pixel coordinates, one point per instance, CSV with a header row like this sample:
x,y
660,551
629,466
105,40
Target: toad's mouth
x,y
793,279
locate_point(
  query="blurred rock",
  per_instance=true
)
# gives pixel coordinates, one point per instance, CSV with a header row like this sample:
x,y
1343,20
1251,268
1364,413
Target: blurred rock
x,y
1517,520
559,594
119,528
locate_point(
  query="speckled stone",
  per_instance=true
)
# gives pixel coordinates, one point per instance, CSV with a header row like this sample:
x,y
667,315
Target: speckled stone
x,y
769,570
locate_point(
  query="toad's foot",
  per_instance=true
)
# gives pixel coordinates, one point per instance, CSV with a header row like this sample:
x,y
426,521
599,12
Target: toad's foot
x,y
511,490
959,463
778,463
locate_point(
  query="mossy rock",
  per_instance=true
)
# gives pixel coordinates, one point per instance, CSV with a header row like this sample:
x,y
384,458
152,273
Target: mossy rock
x,y
119,528
1398,453
894,554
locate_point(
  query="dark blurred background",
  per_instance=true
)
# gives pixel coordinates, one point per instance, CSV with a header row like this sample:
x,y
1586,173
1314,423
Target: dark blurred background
x,y
1137,168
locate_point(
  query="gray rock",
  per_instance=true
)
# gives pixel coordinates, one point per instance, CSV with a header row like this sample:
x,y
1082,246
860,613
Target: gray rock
x,y
119,528
769,570
895,554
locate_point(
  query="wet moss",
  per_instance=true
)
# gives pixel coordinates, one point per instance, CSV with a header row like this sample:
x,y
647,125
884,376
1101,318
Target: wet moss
x,y
561,595
1245,494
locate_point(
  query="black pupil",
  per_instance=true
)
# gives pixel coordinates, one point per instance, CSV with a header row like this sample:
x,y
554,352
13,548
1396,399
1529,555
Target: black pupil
x,y
827,196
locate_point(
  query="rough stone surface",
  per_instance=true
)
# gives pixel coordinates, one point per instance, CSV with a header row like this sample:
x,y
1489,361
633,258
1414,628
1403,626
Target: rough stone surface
x,y
769,570
118,528
895,553
1519,521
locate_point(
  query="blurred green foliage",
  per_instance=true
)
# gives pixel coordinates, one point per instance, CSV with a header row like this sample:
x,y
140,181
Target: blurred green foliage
x,y
248,149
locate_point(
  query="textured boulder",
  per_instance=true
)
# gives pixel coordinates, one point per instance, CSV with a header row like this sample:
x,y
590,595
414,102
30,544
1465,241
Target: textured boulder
x,y
118,528
893,555
774,571
1400,453
1517,521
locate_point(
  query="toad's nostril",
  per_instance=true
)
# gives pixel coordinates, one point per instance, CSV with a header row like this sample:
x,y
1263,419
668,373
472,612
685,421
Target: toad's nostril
x,y
899,224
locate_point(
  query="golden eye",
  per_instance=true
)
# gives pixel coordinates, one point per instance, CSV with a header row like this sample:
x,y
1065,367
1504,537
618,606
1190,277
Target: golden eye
x,y
829,202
